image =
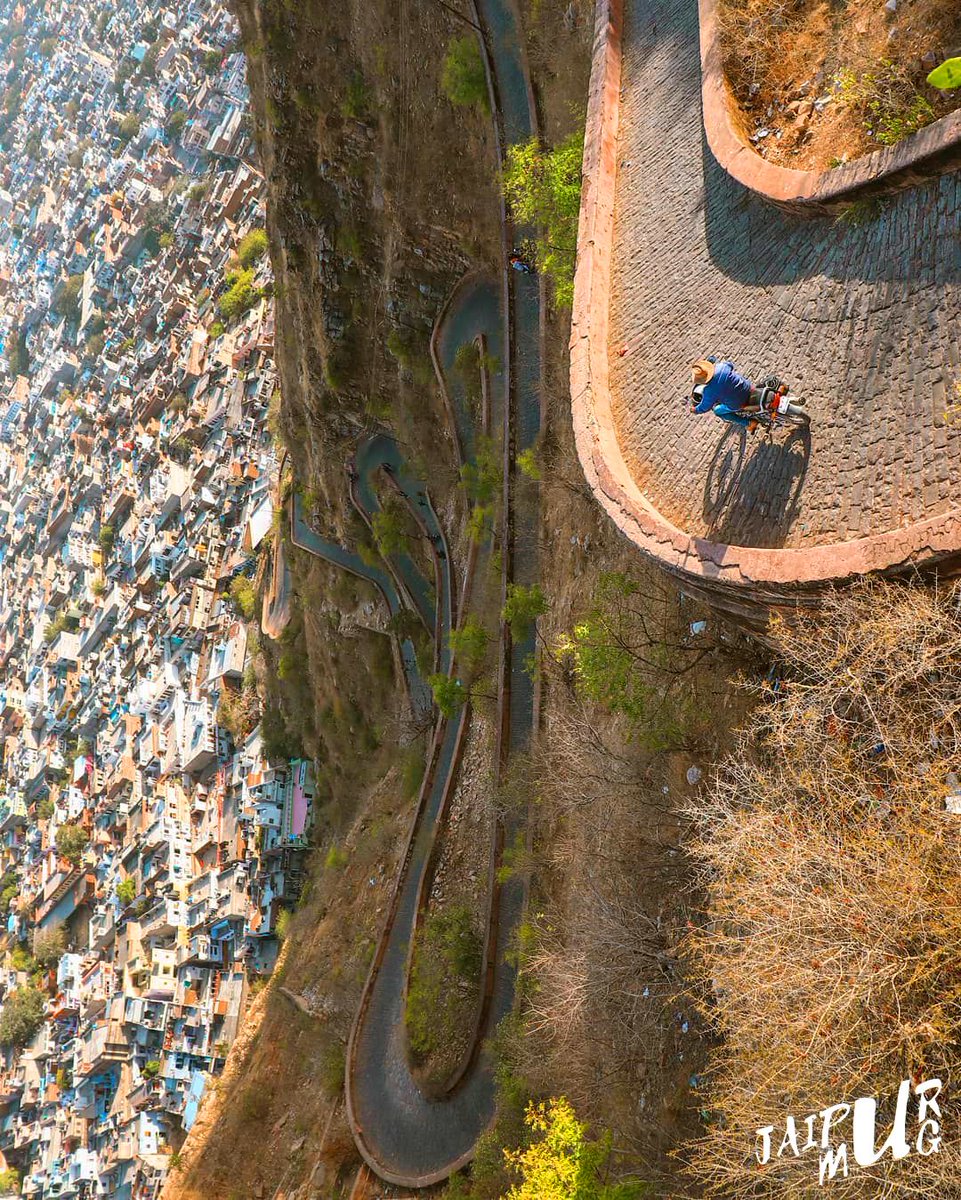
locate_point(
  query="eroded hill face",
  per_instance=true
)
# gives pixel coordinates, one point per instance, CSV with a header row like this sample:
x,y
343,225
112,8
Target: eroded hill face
x,y
381,195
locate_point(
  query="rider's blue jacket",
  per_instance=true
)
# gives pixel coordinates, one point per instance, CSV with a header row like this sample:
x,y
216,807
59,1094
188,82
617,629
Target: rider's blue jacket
x,y
726,388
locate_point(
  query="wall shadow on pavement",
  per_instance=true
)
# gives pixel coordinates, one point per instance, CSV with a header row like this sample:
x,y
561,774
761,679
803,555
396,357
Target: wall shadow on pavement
x,y
752,494
752,241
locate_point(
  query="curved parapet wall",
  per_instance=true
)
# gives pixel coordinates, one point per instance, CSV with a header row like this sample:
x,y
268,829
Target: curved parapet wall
x,y
771,575
925,154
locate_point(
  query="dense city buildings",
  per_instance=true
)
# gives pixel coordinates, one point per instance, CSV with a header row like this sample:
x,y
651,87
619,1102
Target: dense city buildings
x,y
147,843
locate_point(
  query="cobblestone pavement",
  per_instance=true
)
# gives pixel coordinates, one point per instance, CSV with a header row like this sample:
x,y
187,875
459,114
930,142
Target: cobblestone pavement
x,y
861,319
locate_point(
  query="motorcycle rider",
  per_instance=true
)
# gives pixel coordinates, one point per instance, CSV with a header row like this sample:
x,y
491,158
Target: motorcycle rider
x,y
717,386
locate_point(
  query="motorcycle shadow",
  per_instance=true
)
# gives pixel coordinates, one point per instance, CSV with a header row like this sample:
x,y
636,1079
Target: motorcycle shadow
x,y
752,495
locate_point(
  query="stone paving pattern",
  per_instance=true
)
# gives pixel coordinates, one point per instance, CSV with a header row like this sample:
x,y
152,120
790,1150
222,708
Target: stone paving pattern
x,y
861,319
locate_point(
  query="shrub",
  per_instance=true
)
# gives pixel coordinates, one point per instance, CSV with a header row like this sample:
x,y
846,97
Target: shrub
x,y
336,859
55,627
888,103
528,465
481,478
126,892
21,959
543,188
10,892
411,773
388,525
71,841
357,100
627,654
332,1066
10,1182
106,539
282,923
560,1163
463,80
831,866
151,1069
22,1017
252,247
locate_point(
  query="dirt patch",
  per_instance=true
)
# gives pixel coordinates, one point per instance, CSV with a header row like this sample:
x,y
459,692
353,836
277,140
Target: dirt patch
x,y
821,82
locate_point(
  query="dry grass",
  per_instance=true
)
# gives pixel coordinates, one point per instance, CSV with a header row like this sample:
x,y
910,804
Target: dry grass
x,y
829,951
783,56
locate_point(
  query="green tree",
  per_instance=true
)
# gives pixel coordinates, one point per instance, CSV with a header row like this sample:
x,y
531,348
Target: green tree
x,y
469,643
175,125
10,1182
49,945
240,296
71,841
129,127
481,478
151,1069
253,246
524,605
626,655
560,1163
56,627
126,891
106,539
389,529
22,1016
10,892
17,354
450,695
463,80
543,188
66,303
244,596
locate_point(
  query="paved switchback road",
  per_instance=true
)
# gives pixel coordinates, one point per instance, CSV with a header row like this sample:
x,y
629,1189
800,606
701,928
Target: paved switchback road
x,y
863,320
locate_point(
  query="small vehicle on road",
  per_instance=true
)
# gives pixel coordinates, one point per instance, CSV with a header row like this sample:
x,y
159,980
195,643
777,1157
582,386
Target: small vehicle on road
x,y
777,407
718,387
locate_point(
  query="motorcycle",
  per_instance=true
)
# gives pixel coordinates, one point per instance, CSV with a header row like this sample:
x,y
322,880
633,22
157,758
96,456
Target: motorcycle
x,y
778,408
774,406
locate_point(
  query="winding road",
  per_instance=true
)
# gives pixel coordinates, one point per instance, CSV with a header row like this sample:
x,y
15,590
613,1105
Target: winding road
x,y
405,1136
